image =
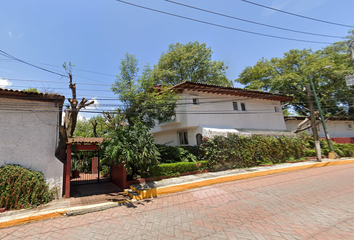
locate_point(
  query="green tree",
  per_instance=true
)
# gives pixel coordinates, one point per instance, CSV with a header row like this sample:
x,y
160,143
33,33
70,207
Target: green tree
x,y
85,127
134,147
143,102
190,62
290,74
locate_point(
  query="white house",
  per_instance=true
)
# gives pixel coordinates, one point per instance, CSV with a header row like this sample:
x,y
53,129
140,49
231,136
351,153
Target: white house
x,y
340,129
29,133
206,110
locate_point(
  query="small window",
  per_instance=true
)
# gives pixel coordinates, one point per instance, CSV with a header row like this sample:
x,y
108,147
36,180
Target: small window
x,y
199,138
235,106
183,138
349,126
195,101
243,107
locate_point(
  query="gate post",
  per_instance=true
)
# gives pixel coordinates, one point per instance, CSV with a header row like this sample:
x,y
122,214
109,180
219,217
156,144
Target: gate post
x,y
67,171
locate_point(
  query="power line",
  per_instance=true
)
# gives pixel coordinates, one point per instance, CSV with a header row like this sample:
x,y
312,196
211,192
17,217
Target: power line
x,y
17,59
77,83
298,15
253,22
82,70
222,26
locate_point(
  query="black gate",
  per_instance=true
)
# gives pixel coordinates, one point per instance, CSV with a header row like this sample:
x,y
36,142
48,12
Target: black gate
x,y
86,168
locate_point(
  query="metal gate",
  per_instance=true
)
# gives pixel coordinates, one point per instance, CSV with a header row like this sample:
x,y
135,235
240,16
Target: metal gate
x,y
86,168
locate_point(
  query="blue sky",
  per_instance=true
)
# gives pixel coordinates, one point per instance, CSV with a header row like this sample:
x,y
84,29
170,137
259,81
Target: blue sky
x,y
94,35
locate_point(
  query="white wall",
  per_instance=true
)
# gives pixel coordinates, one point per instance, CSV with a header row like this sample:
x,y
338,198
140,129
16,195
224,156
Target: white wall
x,y
217,111
335,128
29,138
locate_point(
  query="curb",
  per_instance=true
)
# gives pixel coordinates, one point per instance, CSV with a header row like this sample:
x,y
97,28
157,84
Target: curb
x,y
154,192
62,212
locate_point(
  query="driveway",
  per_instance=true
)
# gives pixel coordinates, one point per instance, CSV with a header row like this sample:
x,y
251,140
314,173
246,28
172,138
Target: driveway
x,y
308,204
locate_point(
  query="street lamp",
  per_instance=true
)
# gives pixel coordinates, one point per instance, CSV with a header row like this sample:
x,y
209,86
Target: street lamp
x,y
331,154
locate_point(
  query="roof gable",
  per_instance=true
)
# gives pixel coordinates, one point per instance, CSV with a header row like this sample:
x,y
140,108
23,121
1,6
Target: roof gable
x,y
208,88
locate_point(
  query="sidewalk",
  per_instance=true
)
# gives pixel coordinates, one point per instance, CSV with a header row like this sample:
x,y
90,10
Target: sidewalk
x,y
77,206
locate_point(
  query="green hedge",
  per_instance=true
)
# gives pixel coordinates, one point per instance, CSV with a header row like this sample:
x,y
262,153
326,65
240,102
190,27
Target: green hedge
x,y
173,169
239,151
174,154
20,186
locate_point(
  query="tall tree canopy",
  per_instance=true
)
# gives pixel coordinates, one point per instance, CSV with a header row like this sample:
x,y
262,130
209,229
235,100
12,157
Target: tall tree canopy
x,y
289,75
191,62
142,103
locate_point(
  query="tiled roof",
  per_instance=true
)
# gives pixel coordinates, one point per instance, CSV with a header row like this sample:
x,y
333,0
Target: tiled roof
x,y
86,140
16,94
202,87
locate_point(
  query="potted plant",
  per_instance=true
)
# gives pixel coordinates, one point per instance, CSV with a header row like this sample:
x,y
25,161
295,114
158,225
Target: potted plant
x,y
75,168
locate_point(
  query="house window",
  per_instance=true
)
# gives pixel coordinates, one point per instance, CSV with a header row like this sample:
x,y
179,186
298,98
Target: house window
x,y
195,101
349,126
183,138
199,138
243,107
235,106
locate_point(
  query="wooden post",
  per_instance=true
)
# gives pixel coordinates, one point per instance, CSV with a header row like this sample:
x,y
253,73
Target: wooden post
x,y
68,171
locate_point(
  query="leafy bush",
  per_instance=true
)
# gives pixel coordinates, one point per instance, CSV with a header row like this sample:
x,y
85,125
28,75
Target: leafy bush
x,y
173,154
20,186
239,151
134,147
173,169
343,150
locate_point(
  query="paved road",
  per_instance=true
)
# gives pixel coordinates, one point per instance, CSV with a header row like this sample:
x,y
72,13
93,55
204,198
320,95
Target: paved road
x,y
308,204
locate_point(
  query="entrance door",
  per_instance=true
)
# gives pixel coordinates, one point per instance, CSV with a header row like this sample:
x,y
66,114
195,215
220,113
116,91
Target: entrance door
x,y
86,168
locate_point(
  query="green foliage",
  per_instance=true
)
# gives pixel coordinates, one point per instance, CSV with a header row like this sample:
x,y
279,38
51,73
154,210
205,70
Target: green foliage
x,y
291,73
174,169
173,154
34,90
134,147
342,150
240,151
84,127
142,103
19,186
191,62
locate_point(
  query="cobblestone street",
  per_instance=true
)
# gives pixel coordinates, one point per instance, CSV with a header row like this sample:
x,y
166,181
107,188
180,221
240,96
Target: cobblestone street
x,y
307,204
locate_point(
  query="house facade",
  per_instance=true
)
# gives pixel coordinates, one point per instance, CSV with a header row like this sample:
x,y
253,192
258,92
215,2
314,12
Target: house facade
x,y
207,110
340,129
29,133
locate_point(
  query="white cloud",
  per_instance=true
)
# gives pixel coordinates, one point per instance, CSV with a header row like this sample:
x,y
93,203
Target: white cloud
x,y
4,83
93,106
10,34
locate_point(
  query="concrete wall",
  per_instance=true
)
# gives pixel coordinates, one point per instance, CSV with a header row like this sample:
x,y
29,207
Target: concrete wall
x,y
216,111
29,138
335,128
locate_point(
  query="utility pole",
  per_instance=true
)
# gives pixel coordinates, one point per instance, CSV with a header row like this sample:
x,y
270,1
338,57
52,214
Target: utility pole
x,y
331,154
313,124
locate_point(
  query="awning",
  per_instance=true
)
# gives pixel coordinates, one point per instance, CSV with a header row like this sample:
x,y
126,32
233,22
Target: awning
x,y
212,132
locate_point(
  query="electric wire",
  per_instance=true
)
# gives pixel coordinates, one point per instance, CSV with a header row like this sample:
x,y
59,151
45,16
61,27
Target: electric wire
x,y
30,64
298,15
253,22
222,26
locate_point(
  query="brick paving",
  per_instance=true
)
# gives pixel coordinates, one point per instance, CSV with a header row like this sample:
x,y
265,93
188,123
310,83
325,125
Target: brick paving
x,y
307,204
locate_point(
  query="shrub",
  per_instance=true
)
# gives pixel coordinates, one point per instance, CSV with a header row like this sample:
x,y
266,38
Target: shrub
x,y
174,169
173,154
239,151
134,147
20,186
